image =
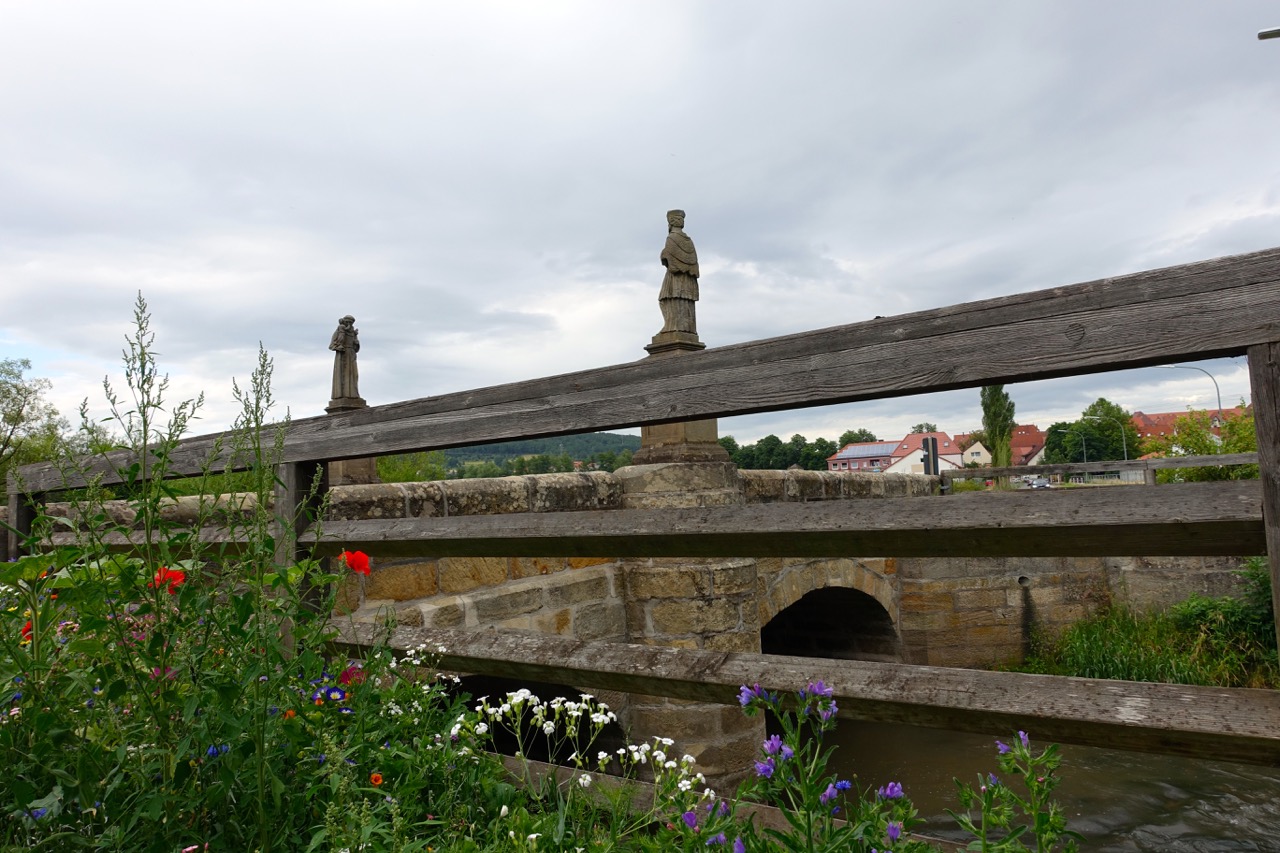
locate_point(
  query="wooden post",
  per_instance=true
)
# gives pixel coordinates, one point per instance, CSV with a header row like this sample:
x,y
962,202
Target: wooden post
x,y
22,514
295,504
1264,380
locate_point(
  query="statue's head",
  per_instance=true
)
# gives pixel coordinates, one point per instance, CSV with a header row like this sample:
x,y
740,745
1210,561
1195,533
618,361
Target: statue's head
x,y
347,320
675,218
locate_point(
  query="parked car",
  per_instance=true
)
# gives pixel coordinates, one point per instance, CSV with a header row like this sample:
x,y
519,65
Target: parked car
x,y
1041,483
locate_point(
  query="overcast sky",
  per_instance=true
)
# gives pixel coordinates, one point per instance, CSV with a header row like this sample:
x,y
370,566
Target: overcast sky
x,y
484,185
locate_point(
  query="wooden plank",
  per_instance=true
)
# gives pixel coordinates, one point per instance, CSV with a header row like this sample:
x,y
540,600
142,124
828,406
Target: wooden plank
x,y
1264,381
1200,722
1212,308
1108,466
1211,519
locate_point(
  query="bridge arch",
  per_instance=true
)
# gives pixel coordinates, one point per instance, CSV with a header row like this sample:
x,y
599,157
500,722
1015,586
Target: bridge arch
x,y
831,608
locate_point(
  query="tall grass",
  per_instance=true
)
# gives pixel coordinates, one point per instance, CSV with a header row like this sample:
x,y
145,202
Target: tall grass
x,y
1227,641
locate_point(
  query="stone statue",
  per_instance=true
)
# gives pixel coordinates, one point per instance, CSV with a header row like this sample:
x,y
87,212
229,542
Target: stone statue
x,y
680,284
345,343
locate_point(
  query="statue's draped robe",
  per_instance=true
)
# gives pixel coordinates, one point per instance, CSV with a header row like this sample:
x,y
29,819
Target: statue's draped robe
x,y
346,378
680,284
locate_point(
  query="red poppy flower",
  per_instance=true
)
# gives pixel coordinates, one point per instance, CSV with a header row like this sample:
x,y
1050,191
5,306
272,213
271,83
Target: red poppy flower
x,y
26,632
172,577
376,779
352,675
357,561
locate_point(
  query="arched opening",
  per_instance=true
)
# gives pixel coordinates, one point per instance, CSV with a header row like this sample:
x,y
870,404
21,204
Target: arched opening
x,y
833,623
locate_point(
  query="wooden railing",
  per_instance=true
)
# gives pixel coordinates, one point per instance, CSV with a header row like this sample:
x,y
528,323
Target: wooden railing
x,y
1224,307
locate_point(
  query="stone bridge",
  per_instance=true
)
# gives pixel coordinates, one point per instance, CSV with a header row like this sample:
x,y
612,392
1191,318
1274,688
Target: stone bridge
x,y
944,612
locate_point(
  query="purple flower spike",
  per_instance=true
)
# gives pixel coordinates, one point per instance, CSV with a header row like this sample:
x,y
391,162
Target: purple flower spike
x,y
765,768
1026,741
716,839
894,831
1002,747
738,846
819,688
891,791
744,696
787,753
690,819
828,712
772,745
828,795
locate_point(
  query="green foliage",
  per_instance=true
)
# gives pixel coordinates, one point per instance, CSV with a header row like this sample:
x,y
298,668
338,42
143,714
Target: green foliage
x,y
1018,808
1193,435
412,467
30,428
856,436
771,452
924,426
997,424
1104,432
1228,642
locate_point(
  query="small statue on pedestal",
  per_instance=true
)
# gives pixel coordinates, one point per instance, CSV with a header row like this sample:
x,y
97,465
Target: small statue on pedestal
x,y
345,343
680,284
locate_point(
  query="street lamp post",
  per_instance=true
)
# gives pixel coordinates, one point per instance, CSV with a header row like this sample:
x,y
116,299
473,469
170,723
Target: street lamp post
x,y
1124,442
1216,389
1083,450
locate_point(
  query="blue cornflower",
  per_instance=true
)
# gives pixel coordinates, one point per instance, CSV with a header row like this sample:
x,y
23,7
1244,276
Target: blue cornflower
x,y
843,784
36,814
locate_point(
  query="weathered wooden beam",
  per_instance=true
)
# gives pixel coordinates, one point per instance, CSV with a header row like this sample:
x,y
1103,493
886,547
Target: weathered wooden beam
x,y
1200,722
1212,308
1111,465
1209,519
1264,381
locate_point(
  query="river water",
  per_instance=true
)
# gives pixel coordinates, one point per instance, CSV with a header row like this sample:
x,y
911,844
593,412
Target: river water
x,y
1120,801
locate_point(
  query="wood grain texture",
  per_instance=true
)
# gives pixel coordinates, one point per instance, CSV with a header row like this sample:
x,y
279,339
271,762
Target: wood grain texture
x,y
1109,465
1201,722
1264,382
1202,310
1210,519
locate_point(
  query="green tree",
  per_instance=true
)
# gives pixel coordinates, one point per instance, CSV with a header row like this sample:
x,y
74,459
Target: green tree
x,y
412,467
30,428
1063,443
1193,435
1109,431
998,424
924,426
856,436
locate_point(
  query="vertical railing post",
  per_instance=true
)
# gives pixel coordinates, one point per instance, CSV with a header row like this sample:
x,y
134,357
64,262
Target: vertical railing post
x,y
1264,381
296,505
22,515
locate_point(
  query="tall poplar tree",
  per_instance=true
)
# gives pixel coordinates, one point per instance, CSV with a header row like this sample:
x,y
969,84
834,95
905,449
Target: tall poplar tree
x,y
998,424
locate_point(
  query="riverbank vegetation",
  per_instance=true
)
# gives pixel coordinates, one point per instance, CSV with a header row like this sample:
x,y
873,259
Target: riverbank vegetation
x,y
1227,641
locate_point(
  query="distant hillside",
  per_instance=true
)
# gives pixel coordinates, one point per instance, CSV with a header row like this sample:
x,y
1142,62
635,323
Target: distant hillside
x,y
579,447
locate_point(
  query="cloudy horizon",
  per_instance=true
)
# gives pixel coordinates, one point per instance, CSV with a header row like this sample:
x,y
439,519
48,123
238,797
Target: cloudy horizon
x,y
483,186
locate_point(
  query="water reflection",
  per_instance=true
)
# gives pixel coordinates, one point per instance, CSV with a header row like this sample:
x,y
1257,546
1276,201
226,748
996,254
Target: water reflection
x,y
1120,801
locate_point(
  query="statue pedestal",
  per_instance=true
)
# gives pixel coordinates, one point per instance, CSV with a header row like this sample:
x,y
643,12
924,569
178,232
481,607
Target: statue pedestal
x,y
686,441
351,472
666,343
